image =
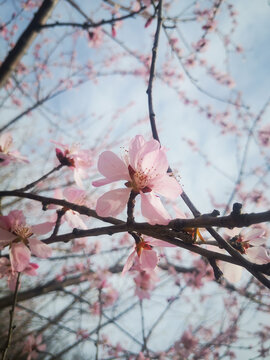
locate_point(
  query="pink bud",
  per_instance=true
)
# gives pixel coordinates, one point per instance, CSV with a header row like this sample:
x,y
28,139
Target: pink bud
x,y
148,22
113,32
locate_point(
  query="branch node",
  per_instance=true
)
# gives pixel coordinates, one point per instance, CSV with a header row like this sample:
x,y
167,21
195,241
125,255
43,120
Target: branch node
x,y
217,272
236,209
215,213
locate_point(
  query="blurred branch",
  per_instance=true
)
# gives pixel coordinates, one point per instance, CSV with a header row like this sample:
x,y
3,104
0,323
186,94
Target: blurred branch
x,y
34,183
149,90
99,321
25,40
87,25
51,286
157,231
31,108
11,327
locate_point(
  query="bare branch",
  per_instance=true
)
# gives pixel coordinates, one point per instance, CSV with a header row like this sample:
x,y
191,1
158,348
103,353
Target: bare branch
x,y
25,40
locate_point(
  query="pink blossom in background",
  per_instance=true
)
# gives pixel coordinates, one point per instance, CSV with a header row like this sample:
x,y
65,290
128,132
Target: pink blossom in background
x,y
78,160
264,136
7,156
145,257
82,334
96,37
18,236
33,345
248,242
145,283
202,273
6,271
108,298
186,345
145,171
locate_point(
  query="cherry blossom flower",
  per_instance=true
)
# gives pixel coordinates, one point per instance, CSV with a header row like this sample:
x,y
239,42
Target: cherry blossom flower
x,y
248,242
143,254
79,160
6,156
33,346
18,236
6,270
75,196
96,37
145,171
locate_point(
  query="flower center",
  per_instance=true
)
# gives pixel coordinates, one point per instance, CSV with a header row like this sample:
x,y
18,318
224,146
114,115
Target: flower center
x,y
23,233
142,245
139,181
240,245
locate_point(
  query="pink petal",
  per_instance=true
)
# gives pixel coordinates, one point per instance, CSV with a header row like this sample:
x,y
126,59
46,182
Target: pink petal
x,y
148,161
112,202
41,347
16,217
58,193
153,210
6,237
31,269
135,148
160,164
232,273
112,167
257,241
258,255
6,141
156,242
179,213
166,186
19,257
74,220
43,228
253,236
232,232
17,156
73,194
78,178
148,259
129,262
12,281
39,248
102,182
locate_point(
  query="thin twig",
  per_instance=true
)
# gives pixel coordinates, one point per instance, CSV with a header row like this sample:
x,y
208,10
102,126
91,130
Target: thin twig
x,y
144,347
25,40
87,25
152,74
34,183
11,327
99,321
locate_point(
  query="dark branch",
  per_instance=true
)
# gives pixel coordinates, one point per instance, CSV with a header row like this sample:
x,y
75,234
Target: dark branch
x,y
25,40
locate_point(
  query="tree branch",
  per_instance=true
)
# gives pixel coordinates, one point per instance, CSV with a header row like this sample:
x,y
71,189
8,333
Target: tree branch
x,y
25,40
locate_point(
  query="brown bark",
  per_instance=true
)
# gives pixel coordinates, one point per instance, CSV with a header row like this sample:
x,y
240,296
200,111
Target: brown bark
x,y
25,40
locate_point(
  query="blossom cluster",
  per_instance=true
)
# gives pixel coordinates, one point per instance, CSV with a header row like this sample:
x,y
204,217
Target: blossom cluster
x,y
143,170
21,240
